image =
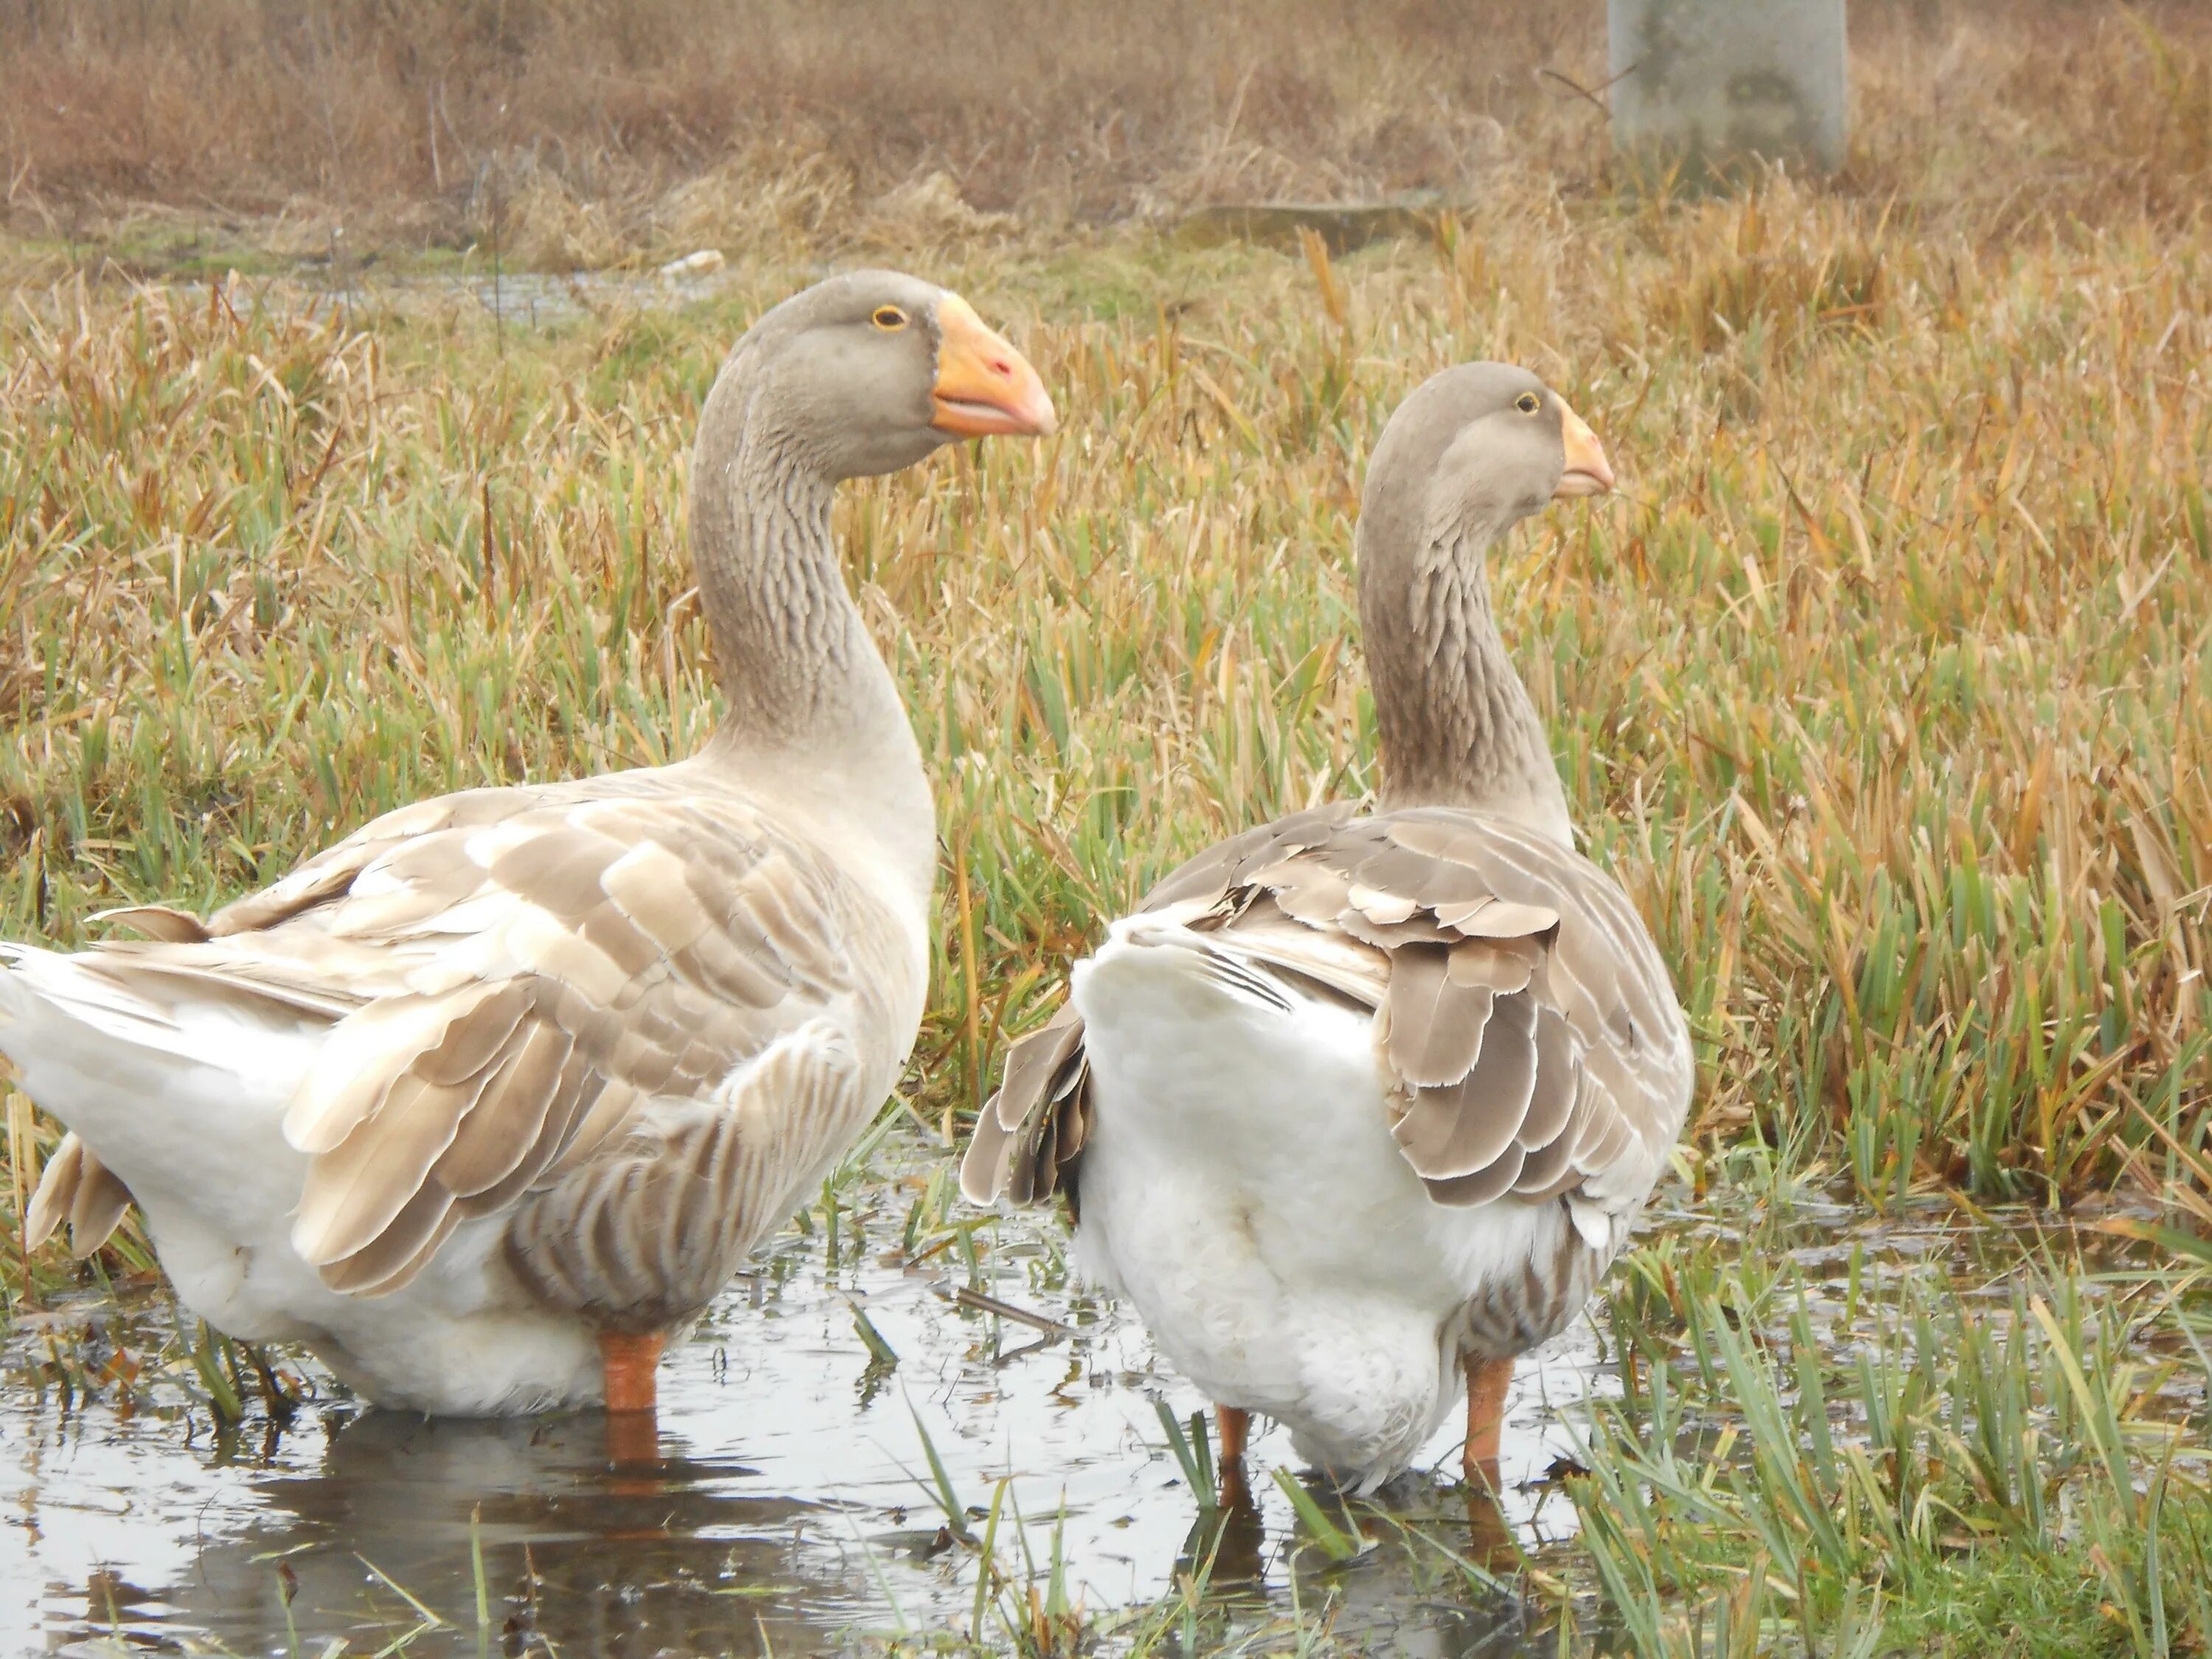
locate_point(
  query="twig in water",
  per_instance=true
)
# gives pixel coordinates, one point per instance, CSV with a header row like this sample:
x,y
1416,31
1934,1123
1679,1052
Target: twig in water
x,y
991,1304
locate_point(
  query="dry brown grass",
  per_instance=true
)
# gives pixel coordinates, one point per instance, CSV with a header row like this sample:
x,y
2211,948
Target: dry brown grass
x,y
1881,682
1090,110
594,132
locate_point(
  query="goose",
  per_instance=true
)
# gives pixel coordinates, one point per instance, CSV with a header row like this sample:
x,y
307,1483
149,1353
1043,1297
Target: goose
x,y
1358,1107
484,1101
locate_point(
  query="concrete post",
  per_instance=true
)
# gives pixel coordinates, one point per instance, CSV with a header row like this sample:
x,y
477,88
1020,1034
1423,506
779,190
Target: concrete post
x,y
1715,82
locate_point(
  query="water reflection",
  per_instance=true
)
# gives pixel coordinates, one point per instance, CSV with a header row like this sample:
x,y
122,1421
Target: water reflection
x,y
785,1502
628,1558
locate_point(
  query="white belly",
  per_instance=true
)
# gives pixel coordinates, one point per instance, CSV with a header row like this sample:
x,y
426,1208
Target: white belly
x,y
1241,1190
461,1339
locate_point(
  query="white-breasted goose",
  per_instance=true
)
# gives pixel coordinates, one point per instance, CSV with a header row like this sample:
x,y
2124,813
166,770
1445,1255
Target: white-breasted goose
x,y
1358,1105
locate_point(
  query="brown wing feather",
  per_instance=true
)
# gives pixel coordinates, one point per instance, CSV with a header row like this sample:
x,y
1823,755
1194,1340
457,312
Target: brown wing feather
x,y
514,975
1017,1146
669,1212
1536,1042
1434,1025
486,1150
156,921
585,1014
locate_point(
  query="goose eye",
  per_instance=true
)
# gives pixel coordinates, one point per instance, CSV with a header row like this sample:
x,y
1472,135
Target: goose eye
x,y
1527,403
890,319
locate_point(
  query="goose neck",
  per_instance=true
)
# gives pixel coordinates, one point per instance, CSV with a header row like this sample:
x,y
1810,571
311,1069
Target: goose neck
x,y
1456,725
811,715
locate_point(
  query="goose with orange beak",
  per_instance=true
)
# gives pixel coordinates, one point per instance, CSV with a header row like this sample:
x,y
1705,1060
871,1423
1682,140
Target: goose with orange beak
x,y
1358,1106
483,1103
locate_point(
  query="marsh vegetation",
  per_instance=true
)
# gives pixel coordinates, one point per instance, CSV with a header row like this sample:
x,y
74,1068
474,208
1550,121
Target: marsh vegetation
x,y
1880,680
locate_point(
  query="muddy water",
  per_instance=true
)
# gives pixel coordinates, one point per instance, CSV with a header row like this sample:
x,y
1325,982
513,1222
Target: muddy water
x,y
788,1506
787,1503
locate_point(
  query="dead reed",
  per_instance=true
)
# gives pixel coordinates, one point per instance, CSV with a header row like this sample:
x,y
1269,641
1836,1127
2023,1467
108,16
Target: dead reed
x,y
1881,680
580,132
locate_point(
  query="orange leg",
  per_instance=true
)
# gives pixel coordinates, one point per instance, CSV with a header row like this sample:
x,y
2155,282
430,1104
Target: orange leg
x,y
1487,1380
632,1361
1232,1426
633,1442
632,1429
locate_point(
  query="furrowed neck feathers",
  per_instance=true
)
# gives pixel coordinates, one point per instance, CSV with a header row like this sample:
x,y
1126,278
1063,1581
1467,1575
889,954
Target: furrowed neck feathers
x,y
810,712
1456,725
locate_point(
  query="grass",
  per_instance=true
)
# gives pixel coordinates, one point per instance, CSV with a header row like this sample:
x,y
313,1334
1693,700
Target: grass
x,y
585,132
1994,1461
196,134
1881,683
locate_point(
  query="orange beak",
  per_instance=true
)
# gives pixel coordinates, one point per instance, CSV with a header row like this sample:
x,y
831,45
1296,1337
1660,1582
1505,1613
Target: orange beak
x,y
1586,472
984,387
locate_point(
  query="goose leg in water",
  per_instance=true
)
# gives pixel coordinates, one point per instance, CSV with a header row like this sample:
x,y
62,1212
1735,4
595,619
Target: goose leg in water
x,y
633,1443
632,1359
633,1363
1234,1535
1491,1544
1232,1424
1487,1380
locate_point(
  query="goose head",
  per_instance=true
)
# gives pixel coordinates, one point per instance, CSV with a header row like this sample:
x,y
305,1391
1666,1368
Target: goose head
x,y
869,372
1475,450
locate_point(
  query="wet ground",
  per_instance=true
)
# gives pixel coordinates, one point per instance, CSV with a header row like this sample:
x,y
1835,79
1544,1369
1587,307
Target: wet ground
x,y
789,1502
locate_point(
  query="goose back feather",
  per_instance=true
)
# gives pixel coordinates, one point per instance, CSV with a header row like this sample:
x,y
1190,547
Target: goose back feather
x,y
1530,1034
1356,1098
509,1070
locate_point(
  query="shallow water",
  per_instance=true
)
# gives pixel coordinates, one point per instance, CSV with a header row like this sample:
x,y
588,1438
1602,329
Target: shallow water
x,y
788,1505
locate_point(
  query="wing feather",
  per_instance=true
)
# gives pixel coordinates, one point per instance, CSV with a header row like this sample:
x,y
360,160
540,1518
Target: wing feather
x,y
526,1076
650,1231
1464,1127
77,1190
1528,1022
1435,1024
1485,1186
356,1190
397,1252
515,981
1552,1095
